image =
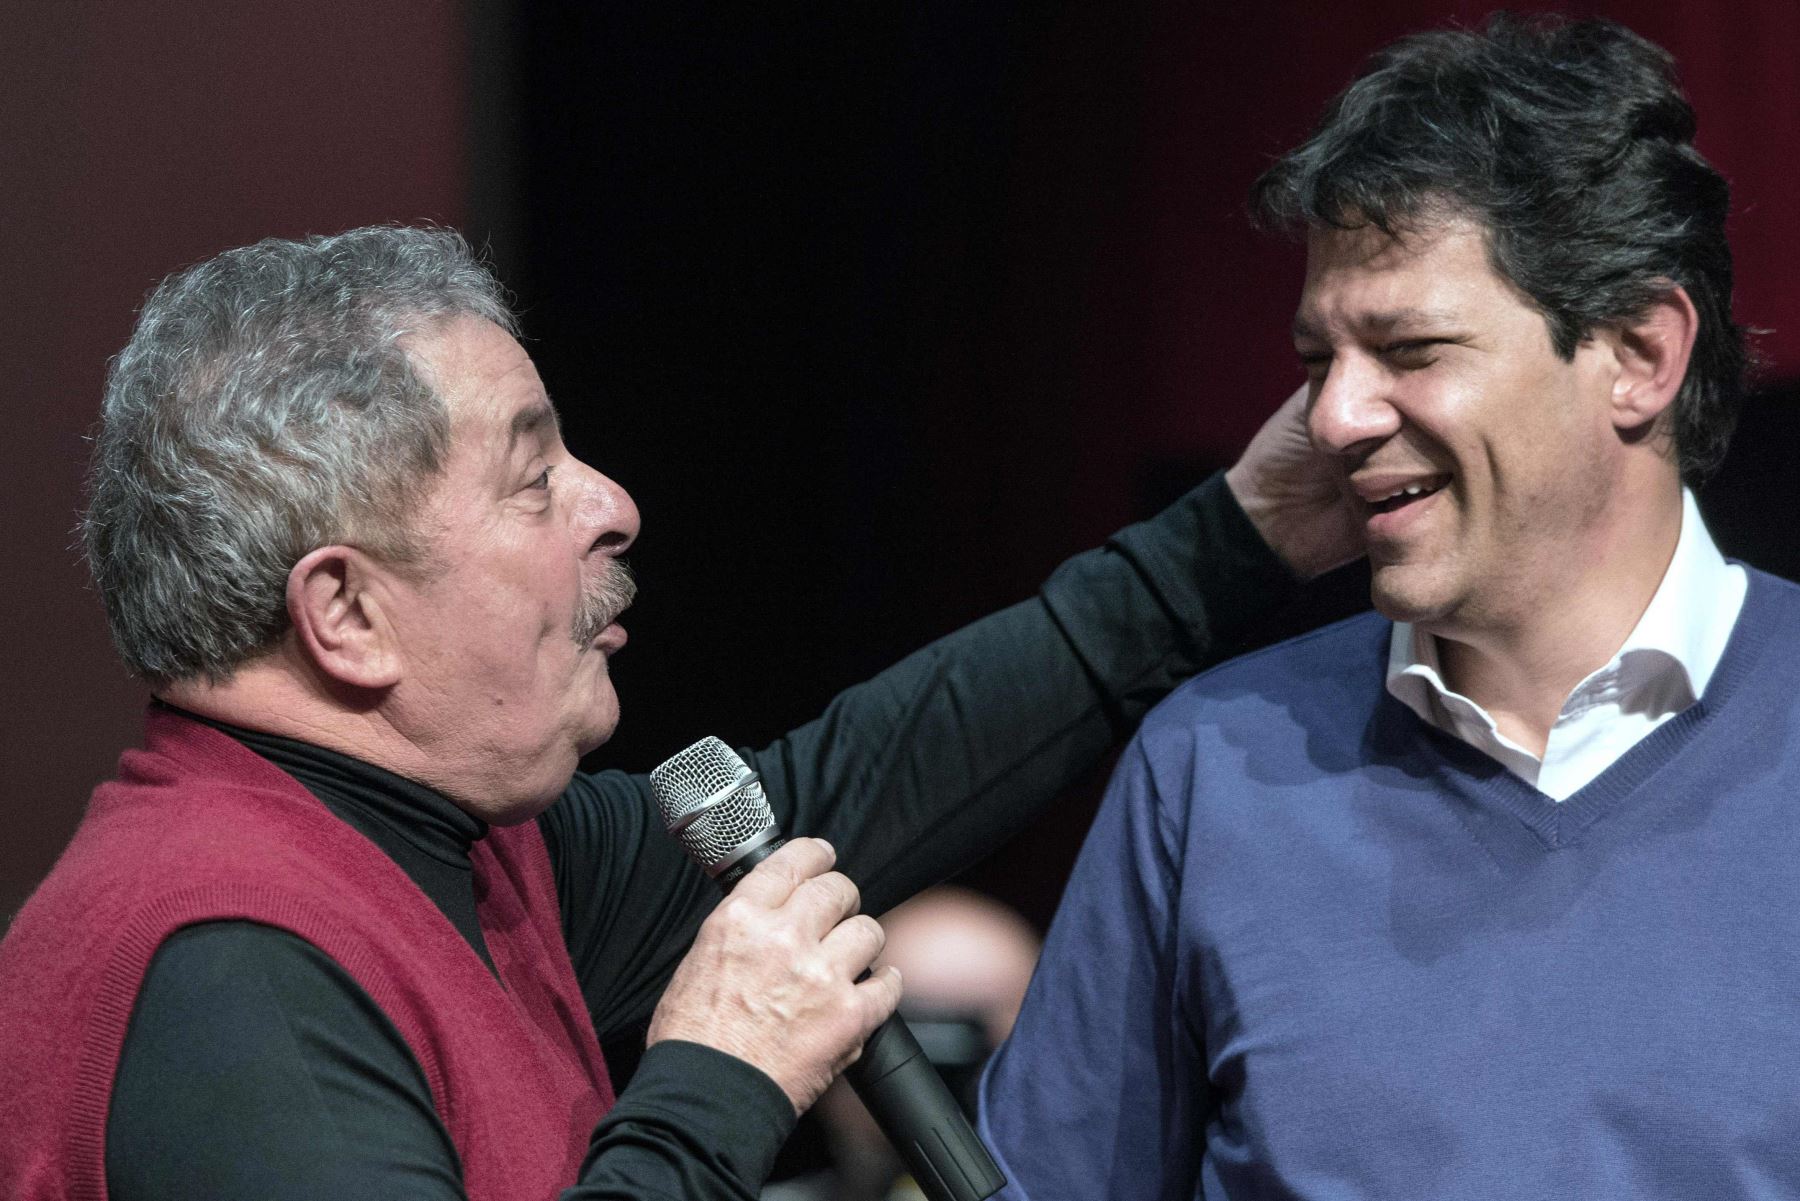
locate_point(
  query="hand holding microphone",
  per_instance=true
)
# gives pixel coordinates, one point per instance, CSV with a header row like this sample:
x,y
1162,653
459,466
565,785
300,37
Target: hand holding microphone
x,y
787,923
772,976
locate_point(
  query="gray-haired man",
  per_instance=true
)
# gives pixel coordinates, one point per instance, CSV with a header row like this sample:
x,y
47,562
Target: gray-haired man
x,y
349,923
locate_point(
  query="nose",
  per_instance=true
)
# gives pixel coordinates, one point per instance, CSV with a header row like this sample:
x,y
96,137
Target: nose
x,y
606,516
1350,411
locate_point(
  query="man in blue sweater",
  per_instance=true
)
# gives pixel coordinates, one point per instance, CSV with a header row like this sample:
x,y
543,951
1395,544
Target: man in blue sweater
x,y
1495,894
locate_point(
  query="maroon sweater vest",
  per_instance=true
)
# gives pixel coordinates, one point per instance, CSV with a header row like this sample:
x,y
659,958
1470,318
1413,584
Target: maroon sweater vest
x,y
198,828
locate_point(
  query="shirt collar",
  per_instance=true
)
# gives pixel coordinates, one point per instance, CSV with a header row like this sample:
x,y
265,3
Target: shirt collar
x,y
1676,645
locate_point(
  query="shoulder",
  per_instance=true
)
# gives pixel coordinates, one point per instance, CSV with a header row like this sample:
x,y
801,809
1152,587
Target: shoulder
x,y
248,1036
1298,683
235,965
1768,626
1284,718
1772,593
1759,660
154,857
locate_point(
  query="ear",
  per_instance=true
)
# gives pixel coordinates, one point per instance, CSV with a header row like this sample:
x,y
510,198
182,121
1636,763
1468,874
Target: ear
x,y
334,601
1653,349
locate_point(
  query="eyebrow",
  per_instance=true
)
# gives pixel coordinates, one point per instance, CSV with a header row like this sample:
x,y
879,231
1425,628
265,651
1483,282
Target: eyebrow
x,y
530,421
1379,322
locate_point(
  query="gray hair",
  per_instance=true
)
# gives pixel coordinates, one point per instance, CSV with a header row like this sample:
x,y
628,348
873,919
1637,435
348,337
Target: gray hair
x,y
263,408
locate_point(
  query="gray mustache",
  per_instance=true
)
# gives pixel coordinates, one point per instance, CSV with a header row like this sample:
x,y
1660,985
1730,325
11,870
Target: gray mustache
x,y
603,601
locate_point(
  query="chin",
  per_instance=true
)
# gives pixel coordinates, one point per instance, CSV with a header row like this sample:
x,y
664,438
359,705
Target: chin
x,y
589,718
597,734
534,786
1405,593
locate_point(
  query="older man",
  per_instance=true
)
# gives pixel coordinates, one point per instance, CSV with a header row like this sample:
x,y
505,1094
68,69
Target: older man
x,y
1496,898
349,922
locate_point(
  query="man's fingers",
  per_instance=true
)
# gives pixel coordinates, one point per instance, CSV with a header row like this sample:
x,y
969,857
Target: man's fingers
x,y
880,997
776,984
853,945
770,883
819,904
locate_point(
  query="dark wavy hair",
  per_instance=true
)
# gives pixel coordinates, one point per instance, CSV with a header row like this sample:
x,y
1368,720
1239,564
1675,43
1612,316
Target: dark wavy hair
x,y
1572,144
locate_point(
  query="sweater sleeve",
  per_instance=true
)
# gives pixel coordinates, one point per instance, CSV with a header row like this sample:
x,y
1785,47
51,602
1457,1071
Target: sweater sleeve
x,y
695,1124
255,1066
1101,1089
928,767
922,770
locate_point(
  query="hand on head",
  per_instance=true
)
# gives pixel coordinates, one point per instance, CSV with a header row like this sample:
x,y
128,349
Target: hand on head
x,y
1292,495
772,975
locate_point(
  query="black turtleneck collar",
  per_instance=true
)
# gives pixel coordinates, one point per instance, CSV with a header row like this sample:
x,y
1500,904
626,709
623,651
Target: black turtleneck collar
x,y
420,829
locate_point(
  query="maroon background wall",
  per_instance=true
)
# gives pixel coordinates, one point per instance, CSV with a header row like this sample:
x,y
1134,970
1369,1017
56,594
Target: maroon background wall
x,y
971,282
137,138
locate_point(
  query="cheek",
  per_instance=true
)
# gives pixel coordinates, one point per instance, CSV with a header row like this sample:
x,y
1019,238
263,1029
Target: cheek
x,y
539,599
1550,463
503,634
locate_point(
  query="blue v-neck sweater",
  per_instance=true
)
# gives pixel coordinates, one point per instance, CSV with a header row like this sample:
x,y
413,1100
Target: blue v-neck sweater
x,y
1316,949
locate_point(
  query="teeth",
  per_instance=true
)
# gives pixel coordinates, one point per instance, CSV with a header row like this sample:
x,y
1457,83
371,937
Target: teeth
x,y
1409,490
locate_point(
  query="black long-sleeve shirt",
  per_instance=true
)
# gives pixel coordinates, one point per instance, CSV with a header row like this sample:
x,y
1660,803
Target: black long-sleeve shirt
x,y
255,1065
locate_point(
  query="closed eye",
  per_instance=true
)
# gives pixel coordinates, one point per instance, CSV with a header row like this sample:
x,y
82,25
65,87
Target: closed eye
x,y
1316,363
1414,353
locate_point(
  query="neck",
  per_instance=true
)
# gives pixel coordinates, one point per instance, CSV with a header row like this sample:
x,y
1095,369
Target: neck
x,y
283,693
1522,667
276,695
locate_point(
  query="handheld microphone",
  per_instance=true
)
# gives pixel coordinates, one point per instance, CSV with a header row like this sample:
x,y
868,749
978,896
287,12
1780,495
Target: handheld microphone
x,y
715,807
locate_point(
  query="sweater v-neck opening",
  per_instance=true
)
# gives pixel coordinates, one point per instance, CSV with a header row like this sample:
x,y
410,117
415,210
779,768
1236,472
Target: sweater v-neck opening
x,y
1560,825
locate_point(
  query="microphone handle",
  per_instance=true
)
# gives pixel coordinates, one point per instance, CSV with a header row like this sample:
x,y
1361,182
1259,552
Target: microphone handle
x,y
728,879
908,1099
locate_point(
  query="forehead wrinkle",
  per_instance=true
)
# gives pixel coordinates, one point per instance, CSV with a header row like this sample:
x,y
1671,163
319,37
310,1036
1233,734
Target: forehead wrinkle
x,y
1381,321
1390,319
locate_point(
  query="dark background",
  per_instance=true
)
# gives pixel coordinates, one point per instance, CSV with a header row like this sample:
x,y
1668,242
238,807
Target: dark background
x,y
879,311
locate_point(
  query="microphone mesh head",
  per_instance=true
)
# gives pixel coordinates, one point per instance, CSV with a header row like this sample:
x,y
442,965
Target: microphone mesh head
x,y
711,771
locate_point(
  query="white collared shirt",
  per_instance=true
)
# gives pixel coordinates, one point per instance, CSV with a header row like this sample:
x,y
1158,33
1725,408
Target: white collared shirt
x,y
1663,667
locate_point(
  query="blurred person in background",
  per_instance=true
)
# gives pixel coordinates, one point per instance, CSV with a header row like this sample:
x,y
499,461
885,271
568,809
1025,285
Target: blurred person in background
x,y
966,959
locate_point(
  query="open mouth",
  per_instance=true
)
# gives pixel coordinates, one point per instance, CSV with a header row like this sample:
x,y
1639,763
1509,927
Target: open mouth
x,y
1413,493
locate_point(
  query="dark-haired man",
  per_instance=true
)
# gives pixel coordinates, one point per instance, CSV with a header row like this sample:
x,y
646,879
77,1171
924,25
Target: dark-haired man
x,y
1493,898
